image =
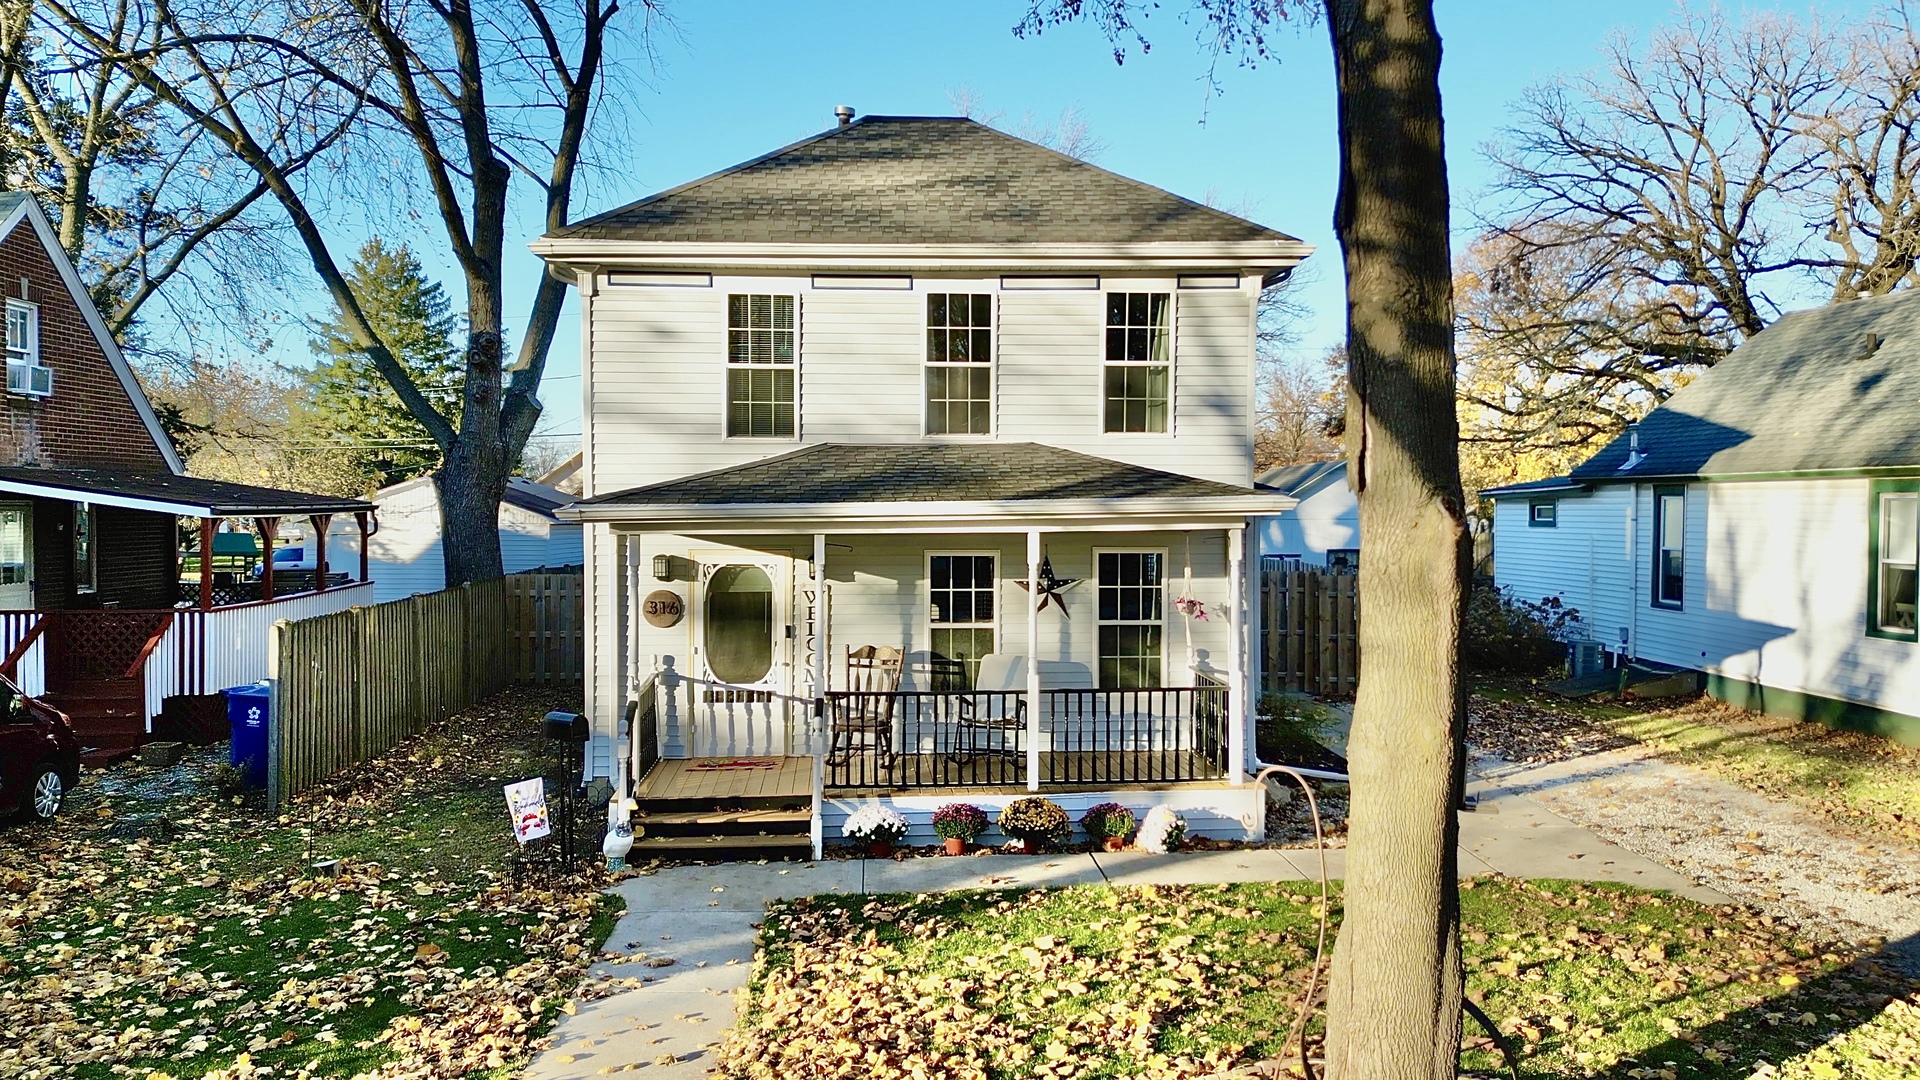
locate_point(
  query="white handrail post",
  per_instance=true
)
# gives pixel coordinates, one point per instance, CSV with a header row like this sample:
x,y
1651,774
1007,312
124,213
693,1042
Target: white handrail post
x,y
1033,660
669,690
1237,712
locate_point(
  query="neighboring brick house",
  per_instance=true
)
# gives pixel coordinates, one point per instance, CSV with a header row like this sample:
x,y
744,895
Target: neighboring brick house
x,y
92,495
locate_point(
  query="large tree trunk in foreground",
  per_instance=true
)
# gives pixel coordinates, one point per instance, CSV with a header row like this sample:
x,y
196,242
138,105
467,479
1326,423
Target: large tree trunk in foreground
x,y
1394,996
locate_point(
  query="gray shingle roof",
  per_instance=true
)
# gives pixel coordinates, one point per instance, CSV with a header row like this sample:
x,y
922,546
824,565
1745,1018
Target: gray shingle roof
x,y
915,179
222,498
920,472
1804,395
1294,479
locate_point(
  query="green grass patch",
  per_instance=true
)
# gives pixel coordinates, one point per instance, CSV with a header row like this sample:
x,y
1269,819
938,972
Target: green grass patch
x,y
186,936
1589,980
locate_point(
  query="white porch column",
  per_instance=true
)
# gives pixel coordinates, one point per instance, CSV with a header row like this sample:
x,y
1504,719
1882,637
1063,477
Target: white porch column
x,y
1033,659
820,634
1237,699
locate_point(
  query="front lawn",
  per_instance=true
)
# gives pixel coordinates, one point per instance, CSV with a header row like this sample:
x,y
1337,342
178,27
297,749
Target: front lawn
x,y
1590,980
157,928
1865,780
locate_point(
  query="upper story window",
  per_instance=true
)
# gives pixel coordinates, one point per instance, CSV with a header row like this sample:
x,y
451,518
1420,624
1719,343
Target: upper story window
x,y
959,363
25,373
1543,514
761,361
1139,361
1895,542
1669,547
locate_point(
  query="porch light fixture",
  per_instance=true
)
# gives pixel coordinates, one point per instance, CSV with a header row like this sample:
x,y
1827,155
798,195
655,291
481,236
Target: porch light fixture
x,y
672,568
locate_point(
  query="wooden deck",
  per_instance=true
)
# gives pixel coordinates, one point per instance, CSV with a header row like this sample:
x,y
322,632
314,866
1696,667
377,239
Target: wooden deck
x,y
1060,771
711,778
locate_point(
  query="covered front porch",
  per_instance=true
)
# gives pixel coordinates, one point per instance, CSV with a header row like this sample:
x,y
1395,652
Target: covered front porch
x,y
1081,631
104,613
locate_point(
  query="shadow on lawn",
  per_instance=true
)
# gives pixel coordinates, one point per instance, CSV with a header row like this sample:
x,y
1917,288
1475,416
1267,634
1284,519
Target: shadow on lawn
x,y
1841,1002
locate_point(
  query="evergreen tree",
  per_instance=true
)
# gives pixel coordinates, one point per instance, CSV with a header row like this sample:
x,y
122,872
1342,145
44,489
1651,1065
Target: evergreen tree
x,y
353,404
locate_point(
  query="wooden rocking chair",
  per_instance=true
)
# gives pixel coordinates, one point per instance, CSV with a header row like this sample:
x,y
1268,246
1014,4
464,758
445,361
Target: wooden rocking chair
x,y
861,718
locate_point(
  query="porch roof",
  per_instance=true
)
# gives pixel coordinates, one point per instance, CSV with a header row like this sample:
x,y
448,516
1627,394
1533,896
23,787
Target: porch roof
x,y
837,481
165,493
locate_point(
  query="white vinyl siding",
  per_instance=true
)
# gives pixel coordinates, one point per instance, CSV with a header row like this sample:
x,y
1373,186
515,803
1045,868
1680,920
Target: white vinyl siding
x,y
1776,572
1581,561
656,383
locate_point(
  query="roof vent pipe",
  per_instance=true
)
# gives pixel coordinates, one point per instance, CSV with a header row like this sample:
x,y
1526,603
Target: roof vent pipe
x,y
844,113
1634,456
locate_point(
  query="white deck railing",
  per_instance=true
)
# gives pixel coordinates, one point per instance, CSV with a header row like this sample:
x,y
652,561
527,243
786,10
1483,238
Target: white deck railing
x,y
199,652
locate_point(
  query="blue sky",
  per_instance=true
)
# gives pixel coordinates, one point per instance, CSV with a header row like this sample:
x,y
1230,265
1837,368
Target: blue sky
x,y
740,78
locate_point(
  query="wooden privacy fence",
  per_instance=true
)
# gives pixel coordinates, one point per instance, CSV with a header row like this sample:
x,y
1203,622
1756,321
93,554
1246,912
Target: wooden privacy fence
x,y
349,686
1309,631
546,617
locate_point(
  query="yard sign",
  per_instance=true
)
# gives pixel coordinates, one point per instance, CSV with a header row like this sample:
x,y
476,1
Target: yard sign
x,y
527,806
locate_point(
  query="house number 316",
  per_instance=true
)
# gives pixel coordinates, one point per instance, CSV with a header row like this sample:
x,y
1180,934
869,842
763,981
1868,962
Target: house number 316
x,y
663,607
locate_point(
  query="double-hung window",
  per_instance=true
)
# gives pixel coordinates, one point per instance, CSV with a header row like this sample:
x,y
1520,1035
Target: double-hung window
x,y
1669,547
761,361
1895,556
959,363
1132,630
961,614
1139,361
25,374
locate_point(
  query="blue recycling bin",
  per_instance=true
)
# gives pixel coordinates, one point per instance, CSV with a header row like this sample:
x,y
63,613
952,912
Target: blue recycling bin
x,y
248,709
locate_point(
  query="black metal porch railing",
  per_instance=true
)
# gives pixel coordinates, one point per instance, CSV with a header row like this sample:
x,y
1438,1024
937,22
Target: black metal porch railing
x,y
907,739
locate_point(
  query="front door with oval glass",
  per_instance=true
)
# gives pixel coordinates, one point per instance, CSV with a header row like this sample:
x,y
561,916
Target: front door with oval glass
x,y
740,640
16,557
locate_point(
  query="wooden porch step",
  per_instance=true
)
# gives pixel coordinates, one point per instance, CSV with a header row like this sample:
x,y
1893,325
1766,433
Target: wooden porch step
x,y
709,823
722,848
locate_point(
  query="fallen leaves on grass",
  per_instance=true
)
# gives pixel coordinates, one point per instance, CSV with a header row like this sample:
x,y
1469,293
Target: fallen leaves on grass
x,y
210,951
1591,980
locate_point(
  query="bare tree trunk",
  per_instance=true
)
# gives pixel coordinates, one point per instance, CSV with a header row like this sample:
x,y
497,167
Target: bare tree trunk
x,y
1394,996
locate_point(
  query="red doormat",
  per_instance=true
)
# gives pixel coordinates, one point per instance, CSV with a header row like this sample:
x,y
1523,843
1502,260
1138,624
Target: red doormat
x,y
741,763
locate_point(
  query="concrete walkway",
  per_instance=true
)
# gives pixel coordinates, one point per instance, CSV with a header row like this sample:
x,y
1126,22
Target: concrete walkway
x,y
686,942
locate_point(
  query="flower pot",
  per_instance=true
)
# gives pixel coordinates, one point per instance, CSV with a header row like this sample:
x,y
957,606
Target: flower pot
x,y
956,845
880,849
1114,843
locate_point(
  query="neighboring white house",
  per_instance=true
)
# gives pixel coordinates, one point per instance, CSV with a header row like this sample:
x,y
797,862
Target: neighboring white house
x,y
867,390
1324,528
1760,527
404,552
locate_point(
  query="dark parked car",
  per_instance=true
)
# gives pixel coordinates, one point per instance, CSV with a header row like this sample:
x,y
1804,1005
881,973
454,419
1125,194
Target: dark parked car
x,y
39,755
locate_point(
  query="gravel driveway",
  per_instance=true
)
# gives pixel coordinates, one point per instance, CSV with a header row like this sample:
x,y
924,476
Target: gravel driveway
x,y
1784,859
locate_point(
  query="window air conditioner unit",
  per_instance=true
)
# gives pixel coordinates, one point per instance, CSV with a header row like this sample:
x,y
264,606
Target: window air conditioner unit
x,y
33,380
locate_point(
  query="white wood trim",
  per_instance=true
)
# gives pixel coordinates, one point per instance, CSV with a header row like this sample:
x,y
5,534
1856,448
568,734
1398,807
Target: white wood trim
x,y
1040,258
589,291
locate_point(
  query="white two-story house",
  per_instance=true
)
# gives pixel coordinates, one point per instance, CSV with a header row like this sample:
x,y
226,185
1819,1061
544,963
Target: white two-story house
x,y
915,388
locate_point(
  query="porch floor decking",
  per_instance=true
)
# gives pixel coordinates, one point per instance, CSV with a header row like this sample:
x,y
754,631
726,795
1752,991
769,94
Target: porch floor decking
x,y
1060,771
707,778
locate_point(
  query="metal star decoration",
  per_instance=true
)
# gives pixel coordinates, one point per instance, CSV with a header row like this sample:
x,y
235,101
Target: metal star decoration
x,y
1050,588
